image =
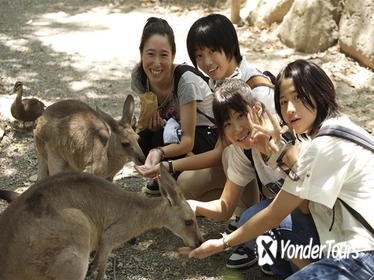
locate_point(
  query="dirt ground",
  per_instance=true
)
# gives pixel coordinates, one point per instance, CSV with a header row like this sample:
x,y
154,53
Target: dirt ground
x,y
85,50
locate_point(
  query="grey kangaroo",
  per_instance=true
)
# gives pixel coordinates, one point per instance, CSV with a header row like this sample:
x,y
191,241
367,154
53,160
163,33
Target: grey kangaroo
x,y
51,229
70,135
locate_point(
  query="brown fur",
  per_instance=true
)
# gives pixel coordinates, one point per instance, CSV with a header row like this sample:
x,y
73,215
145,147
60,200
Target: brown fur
x,y
25,110
70,135
51,229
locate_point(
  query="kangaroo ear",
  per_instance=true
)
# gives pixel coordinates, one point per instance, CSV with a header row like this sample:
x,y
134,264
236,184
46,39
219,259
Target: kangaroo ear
x,y
168,187
128,110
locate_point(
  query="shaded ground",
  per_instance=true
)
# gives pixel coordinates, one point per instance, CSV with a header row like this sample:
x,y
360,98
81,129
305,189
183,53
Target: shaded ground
x,y
85,50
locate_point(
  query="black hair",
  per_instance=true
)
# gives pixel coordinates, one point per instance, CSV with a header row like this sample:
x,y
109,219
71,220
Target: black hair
x,y
215,32
233,94
155,26
311,84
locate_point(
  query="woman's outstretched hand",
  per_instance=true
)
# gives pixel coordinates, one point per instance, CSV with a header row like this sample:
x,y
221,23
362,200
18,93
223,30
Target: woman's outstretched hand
x,y
151,167
208,248
148,171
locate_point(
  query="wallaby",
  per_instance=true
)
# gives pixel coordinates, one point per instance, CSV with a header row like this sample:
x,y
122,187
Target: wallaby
x,y
9,196
70,135
51,229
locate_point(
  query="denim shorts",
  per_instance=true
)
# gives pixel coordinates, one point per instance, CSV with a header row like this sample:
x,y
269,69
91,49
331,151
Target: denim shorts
x,y
360,268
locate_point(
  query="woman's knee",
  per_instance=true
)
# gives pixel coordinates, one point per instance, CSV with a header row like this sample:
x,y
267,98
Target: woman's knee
x,y
195,183
191,187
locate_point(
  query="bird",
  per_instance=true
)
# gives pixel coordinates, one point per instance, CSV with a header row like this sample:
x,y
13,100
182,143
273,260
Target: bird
x,y
25,110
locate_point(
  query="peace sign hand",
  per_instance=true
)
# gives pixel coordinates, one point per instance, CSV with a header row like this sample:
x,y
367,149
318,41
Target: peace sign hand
x,y
263,137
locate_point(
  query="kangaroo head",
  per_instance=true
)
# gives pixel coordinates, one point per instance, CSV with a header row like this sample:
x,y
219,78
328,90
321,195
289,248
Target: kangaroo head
x,y
181,220
129,138
123,140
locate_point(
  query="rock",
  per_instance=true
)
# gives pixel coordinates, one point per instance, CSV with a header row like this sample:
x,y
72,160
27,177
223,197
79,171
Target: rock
x,y
33,178
266,12
356,31
310,25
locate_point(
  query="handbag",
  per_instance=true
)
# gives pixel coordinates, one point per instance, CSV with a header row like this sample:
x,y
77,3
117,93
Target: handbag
x,y
205,139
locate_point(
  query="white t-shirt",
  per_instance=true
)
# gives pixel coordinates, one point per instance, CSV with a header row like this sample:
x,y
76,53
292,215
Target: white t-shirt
x,y
240,171
244,72
331,168
191,87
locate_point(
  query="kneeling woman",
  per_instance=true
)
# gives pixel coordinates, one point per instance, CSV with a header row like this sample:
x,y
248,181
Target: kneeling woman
x,y
186,100
234,106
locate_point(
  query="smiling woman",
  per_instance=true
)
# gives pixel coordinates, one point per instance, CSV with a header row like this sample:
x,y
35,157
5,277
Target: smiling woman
x,y
178,100
237,115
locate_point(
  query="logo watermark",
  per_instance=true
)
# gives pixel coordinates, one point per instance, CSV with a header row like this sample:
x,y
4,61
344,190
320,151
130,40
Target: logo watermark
x,y
267,250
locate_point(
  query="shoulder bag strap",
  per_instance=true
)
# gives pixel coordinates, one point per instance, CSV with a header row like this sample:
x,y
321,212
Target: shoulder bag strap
x,y
348,134
212,120
249,155
179,71
258,81
358,216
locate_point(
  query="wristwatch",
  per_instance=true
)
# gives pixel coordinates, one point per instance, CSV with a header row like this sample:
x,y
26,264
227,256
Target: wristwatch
x,y
171,167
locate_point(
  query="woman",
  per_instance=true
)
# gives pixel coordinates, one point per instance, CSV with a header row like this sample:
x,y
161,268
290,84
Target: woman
x,y
156,73
220,60
328,170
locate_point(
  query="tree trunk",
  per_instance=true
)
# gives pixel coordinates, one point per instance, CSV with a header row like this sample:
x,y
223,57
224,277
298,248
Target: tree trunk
x,y
235,11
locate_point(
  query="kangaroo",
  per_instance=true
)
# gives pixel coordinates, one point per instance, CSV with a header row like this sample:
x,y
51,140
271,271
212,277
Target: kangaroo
x,y
51,229
70,135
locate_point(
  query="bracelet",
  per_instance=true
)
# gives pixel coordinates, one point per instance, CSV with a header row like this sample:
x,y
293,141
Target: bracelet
x,y
161,151
226,245
171,167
